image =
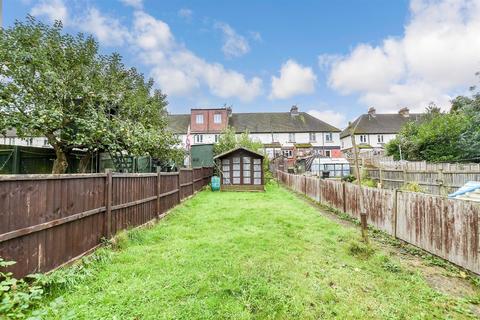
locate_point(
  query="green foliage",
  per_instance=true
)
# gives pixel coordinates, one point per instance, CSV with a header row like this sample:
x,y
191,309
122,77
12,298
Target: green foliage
x,y
453,136
229,140
58,86
17,297
360,249
412,187
349,178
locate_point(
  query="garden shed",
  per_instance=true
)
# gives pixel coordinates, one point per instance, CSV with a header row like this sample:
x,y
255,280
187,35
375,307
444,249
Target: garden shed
x,y
240,170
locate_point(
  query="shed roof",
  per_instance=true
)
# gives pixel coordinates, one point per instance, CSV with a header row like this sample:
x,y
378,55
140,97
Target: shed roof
x,y
236,149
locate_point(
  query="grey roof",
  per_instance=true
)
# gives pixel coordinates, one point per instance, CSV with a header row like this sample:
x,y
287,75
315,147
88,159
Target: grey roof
x,y
380,123
262,122
178,123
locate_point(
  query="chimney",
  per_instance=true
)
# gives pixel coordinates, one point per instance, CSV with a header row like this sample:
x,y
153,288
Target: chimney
x,y
405,112
229,111
294,111
372,111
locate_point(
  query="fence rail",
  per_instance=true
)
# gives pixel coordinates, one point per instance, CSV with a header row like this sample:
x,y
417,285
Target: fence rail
x,y
448,228
49,220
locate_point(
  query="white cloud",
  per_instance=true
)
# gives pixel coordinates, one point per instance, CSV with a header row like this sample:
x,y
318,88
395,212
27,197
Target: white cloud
x,y
234,45
109,31
334,118
178,71
137,4
185,13
435,58
294,79
53,10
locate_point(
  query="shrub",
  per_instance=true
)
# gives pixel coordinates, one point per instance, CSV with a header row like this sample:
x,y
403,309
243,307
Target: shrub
x,y
360,250
349,178
413,187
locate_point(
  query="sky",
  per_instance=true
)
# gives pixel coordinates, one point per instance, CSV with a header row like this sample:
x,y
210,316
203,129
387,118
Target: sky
x,y
333,59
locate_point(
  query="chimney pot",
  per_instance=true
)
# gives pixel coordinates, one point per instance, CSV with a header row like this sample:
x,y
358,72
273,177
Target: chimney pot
x,y
404,112
294,110
372,111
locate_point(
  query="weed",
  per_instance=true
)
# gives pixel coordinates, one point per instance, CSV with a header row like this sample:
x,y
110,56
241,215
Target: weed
x,y
360,249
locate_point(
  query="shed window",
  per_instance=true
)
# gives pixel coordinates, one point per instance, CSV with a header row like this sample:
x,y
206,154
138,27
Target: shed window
x,y
236,170
247,170
257,171
226,171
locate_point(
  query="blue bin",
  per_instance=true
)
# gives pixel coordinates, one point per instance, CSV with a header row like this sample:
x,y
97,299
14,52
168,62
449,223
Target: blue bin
x,y
215,183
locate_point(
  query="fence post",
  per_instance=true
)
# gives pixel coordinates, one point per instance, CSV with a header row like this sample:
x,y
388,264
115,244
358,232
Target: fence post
x,y
158,190
441,186
193,181
344,196
305,184
108,204
380,173
395,211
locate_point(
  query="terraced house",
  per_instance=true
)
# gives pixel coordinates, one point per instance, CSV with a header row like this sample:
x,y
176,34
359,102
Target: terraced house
x,y
293,134
373,130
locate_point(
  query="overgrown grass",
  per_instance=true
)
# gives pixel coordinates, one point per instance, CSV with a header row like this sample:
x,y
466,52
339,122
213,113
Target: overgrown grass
x,y
246,255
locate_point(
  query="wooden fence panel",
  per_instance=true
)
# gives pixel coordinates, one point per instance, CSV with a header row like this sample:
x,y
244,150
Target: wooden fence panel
x,y
186,183
169,191
313,188
379,206
445,227
49,220
134,200
46,222
331,193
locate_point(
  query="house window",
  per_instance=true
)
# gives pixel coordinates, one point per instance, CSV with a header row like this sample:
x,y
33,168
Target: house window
x,y
198,138
217,118
291,137
11,141
287,153
199,118
313,137
328,153
328,137
343,144
363,138
45,142
274,137
29,141
217,137
380,138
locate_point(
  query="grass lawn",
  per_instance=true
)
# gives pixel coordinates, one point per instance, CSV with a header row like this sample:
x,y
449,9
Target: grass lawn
x,y
250,255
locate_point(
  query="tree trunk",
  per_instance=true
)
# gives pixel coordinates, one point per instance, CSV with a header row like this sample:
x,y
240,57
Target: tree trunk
x,y
84,161
60,164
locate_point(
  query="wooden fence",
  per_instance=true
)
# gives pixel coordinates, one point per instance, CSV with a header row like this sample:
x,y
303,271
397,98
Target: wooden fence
x,y
49,220
441,181
448,228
